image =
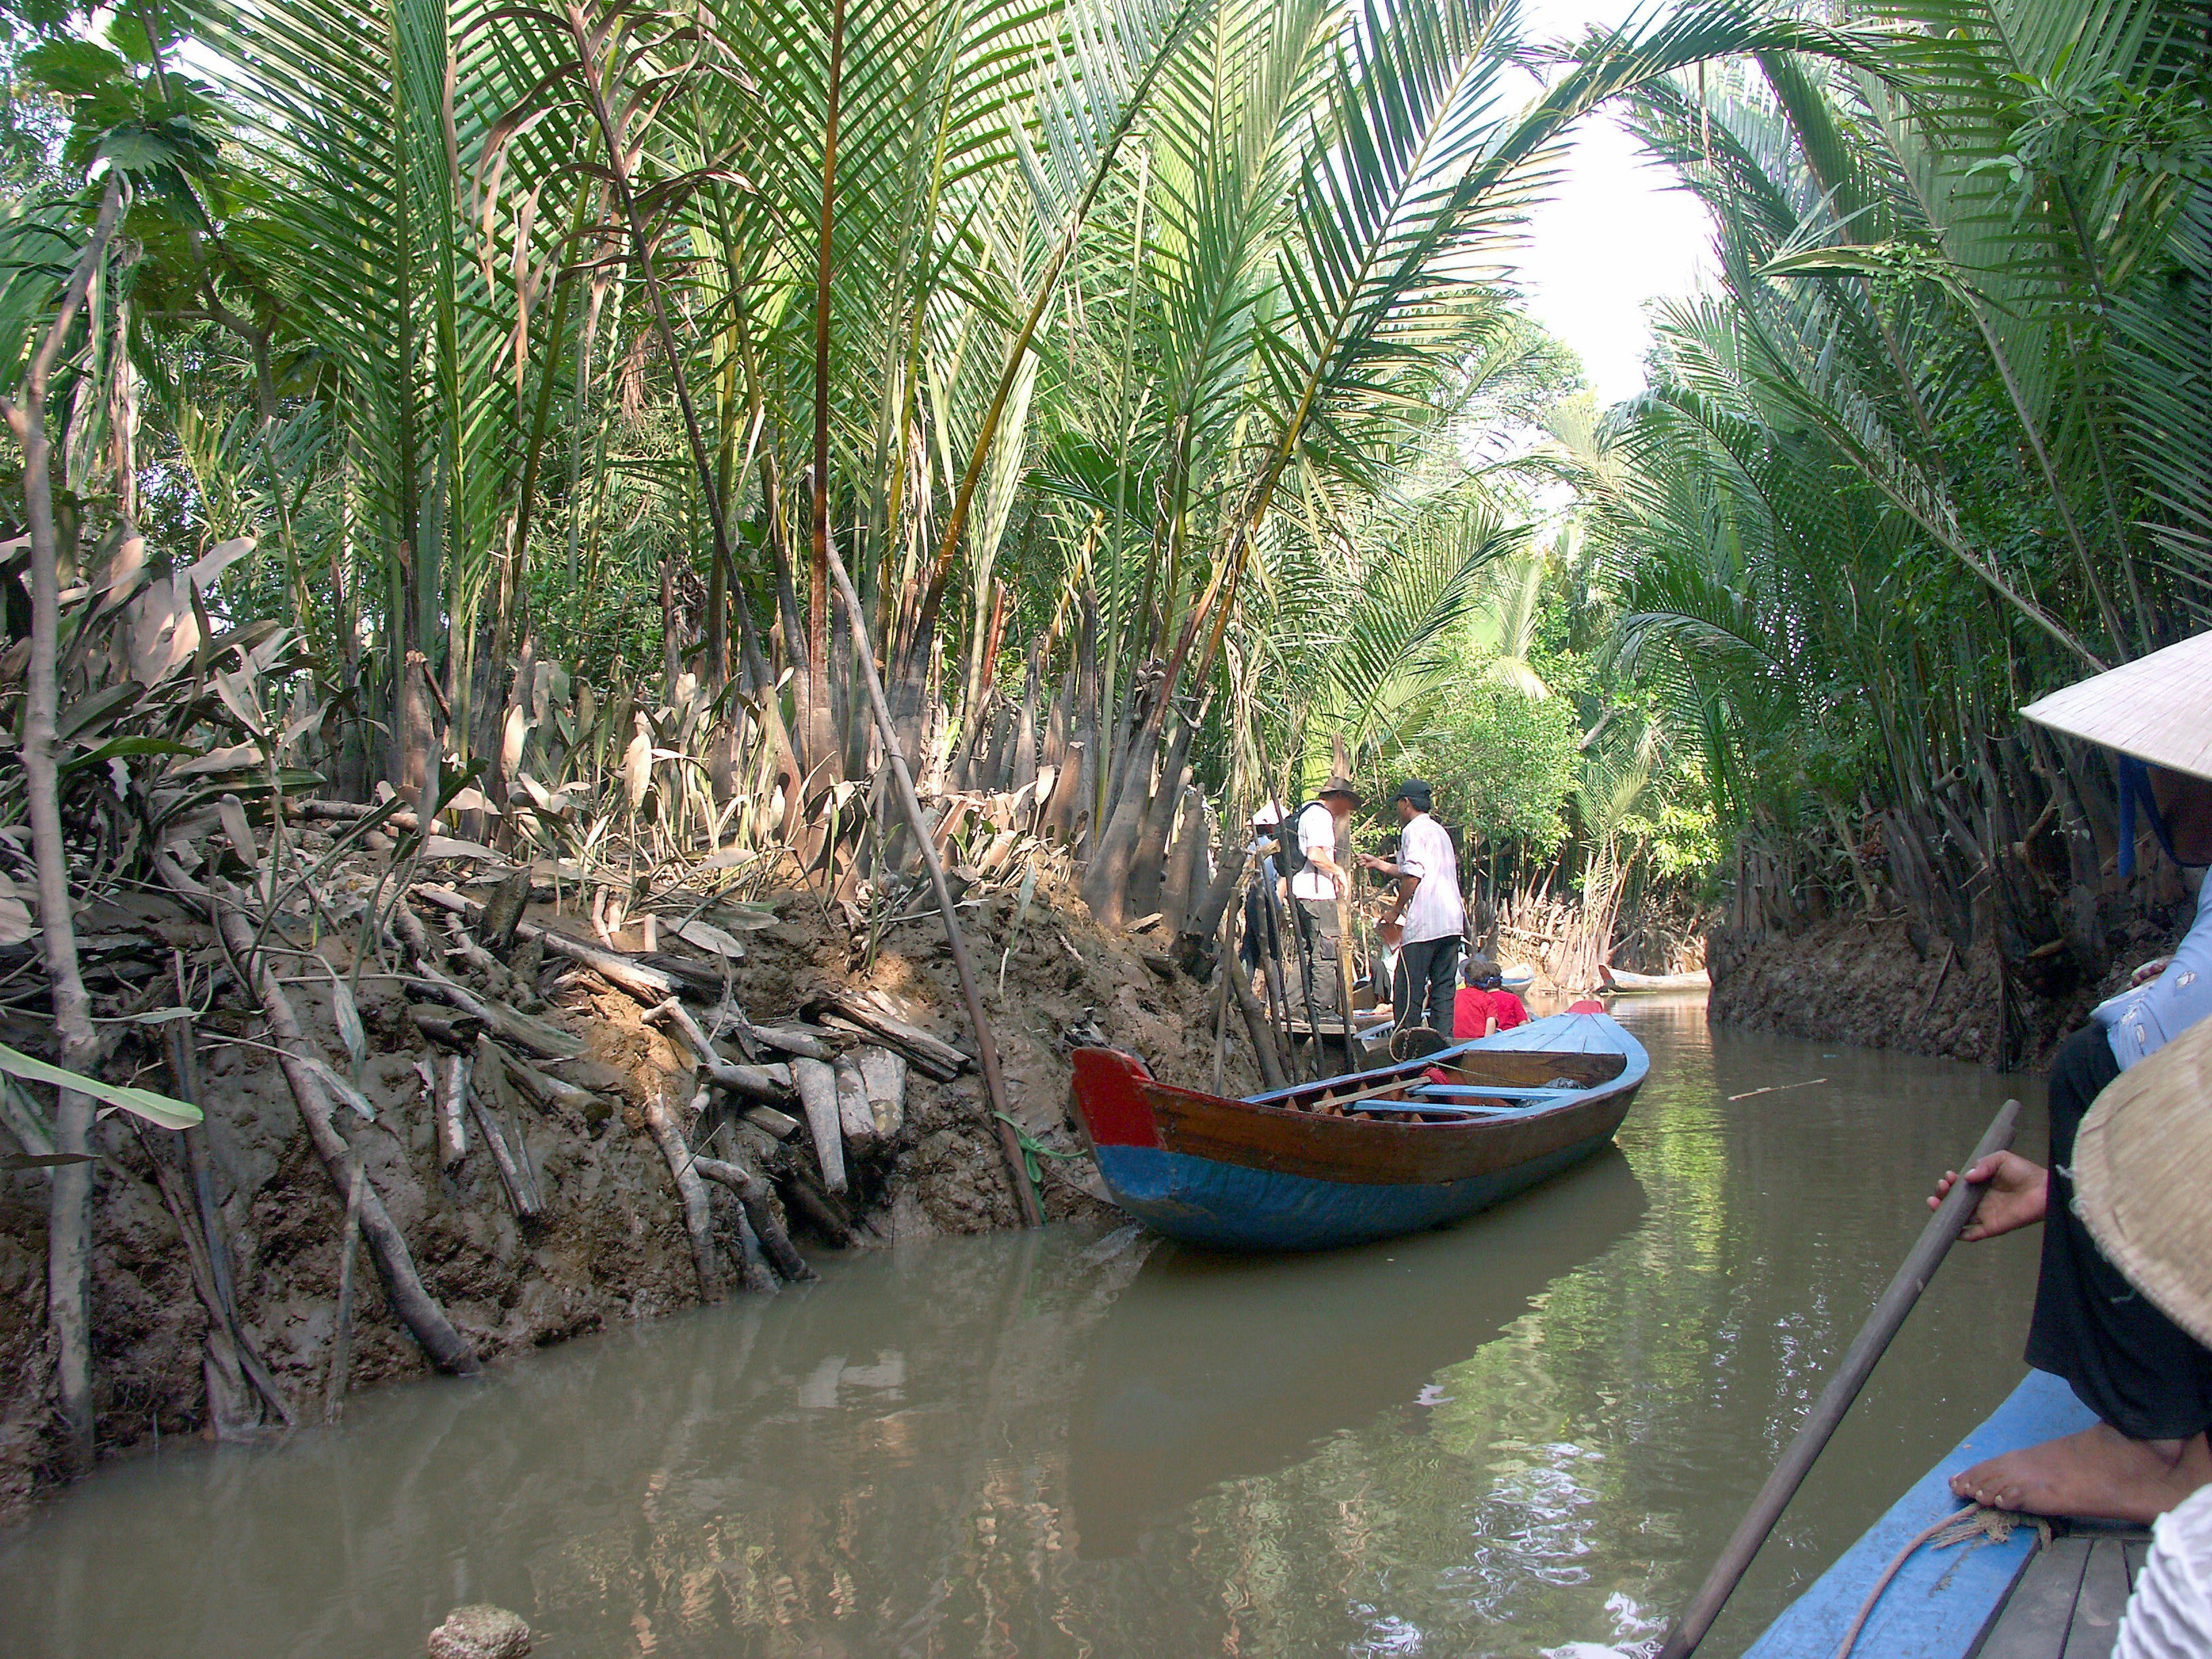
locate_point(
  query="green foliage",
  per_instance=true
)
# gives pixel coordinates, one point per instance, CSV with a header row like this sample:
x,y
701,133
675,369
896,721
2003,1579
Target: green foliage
x,y
1504,763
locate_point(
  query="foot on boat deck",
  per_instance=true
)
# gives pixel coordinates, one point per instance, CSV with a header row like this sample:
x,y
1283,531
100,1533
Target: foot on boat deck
x,y
2098,1473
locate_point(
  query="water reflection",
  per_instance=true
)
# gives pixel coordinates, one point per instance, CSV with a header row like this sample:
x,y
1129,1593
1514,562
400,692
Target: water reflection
x,y
1531,1430
1212,1368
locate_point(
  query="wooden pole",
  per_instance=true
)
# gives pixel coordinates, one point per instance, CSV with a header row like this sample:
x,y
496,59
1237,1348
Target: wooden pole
x,y
1850,1375
994,1089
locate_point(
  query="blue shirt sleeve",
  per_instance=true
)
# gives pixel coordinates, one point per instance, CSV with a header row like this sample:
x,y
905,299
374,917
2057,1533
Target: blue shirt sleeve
x,y
2144,1018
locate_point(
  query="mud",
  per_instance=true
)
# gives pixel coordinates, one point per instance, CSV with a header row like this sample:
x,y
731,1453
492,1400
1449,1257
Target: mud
x,y
611,1246
1883,985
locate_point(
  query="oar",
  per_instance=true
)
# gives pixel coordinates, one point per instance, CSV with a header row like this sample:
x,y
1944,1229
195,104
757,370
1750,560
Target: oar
x,y
1836,1399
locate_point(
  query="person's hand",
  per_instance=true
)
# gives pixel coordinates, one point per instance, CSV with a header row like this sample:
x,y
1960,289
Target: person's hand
x,y
1392,931
2015,1196
2150,970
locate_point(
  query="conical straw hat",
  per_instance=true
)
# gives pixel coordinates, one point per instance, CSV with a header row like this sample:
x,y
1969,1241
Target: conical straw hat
x,y
2142,1178
2157,709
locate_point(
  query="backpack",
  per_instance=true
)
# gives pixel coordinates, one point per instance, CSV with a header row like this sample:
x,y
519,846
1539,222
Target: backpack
x,y
1289,857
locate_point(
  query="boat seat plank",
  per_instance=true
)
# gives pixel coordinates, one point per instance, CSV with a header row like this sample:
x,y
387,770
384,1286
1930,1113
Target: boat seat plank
x,y
2096,1626
1435,1107
2035,1621
1488,1092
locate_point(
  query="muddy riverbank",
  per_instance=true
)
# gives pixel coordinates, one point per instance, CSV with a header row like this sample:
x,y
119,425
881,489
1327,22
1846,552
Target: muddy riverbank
x,y
610,1245
1876,985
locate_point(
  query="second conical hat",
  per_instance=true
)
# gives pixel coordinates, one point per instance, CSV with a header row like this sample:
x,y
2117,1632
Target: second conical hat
x,y
2142,1178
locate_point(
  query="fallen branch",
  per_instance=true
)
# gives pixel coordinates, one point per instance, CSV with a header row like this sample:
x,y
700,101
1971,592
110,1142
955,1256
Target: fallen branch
x,y
994,1089
342,1343
759,1082
818,1092
646,981
931,1055
753,1192
417,1310
691,1192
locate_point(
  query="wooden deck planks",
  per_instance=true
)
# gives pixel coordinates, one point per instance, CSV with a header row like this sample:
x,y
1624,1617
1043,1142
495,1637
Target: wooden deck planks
x,y
2097,1610
2034,1622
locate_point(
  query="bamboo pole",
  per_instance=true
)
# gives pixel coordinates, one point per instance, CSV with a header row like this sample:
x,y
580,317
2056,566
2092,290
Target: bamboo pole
x,y
1850,1375
986,1051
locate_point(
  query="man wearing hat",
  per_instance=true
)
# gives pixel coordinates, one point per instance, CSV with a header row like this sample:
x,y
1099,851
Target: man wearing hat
x,y
1426,918
1317,886
2148,1378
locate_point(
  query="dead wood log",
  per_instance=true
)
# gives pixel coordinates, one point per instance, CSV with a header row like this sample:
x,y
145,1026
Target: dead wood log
x,y
549,1092
229,1347
817,1093
753,1194
1256,1022
538,1036
403,1286
797,1040
649,981
341,1340
931,1055
452,1091
691,1192
758,1082
854,1121
994,1090
802,1194
515,1174
883,1075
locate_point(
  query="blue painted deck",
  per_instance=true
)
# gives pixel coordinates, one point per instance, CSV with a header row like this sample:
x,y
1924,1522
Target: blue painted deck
x,y
1232,1207
1937,1605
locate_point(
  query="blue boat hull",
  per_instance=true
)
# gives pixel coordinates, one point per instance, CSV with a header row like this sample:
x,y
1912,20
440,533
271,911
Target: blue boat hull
x,y
1340,1161
1228,1207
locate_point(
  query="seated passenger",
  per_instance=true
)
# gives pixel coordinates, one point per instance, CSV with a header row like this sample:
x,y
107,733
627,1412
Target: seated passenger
x,y
2148,1381
1483,1006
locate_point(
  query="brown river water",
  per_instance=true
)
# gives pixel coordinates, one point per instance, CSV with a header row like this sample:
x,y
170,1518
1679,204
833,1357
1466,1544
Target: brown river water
x,y
1528,1432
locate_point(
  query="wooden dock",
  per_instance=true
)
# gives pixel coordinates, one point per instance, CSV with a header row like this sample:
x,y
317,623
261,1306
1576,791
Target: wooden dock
x,y
2066,1602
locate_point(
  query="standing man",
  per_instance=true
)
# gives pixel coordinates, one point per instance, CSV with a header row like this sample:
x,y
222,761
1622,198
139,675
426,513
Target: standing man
x,y
1426,918
1320,883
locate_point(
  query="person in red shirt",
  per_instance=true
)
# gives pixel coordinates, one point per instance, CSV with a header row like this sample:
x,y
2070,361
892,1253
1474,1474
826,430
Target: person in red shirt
x,y
1484,999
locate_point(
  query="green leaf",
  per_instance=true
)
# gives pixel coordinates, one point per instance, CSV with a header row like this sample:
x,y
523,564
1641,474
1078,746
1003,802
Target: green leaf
x,y
140,1102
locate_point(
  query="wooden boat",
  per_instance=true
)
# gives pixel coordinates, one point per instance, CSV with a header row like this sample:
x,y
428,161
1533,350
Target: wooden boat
x,y
2018,1597
1620,979
1368,1156
1516,976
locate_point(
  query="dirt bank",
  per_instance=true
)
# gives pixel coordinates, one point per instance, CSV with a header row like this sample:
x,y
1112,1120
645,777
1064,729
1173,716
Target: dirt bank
x,y
609,1243
1875,985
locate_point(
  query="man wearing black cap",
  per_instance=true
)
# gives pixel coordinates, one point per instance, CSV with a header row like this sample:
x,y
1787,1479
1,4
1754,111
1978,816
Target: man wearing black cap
x,y
1426,919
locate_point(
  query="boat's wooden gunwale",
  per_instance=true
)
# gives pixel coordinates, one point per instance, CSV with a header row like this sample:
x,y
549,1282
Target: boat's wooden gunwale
x,y
1365,1151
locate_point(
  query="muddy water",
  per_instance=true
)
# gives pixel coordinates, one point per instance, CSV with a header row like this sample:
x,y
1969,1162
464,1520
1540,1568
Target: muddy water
x,y
1529,1432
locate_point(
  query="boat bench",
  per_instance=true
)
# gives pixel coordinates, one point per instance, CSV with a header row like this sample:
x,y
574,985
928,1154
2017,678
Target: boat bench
x,y
1483,1091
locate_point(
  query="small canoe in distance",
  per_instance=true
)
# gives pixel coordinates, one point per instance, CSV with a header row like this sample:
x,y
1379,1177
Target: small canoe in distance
x,y
1368,1156
1620,979
1516,976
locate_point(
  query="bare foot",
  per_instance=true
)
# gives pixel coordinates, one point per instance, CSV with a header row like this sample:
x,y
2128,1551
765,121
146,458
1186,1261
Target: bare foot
x,y
2098,1474
2015,1197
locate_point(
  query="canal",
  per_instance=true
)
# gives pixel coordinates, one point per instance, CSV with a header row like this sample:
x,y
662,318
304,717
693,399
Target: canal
x,y
1527,1433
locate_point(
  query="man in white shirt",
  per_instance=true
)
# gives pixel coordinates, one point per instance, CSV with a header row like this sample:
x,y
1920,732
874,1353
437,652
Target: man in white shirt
x,y
1317,886
1426,918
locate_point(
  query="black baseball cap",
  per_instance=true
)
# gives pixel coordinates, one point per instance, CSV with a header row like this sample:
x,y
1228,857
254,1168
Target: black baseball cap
x,y
1416,791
